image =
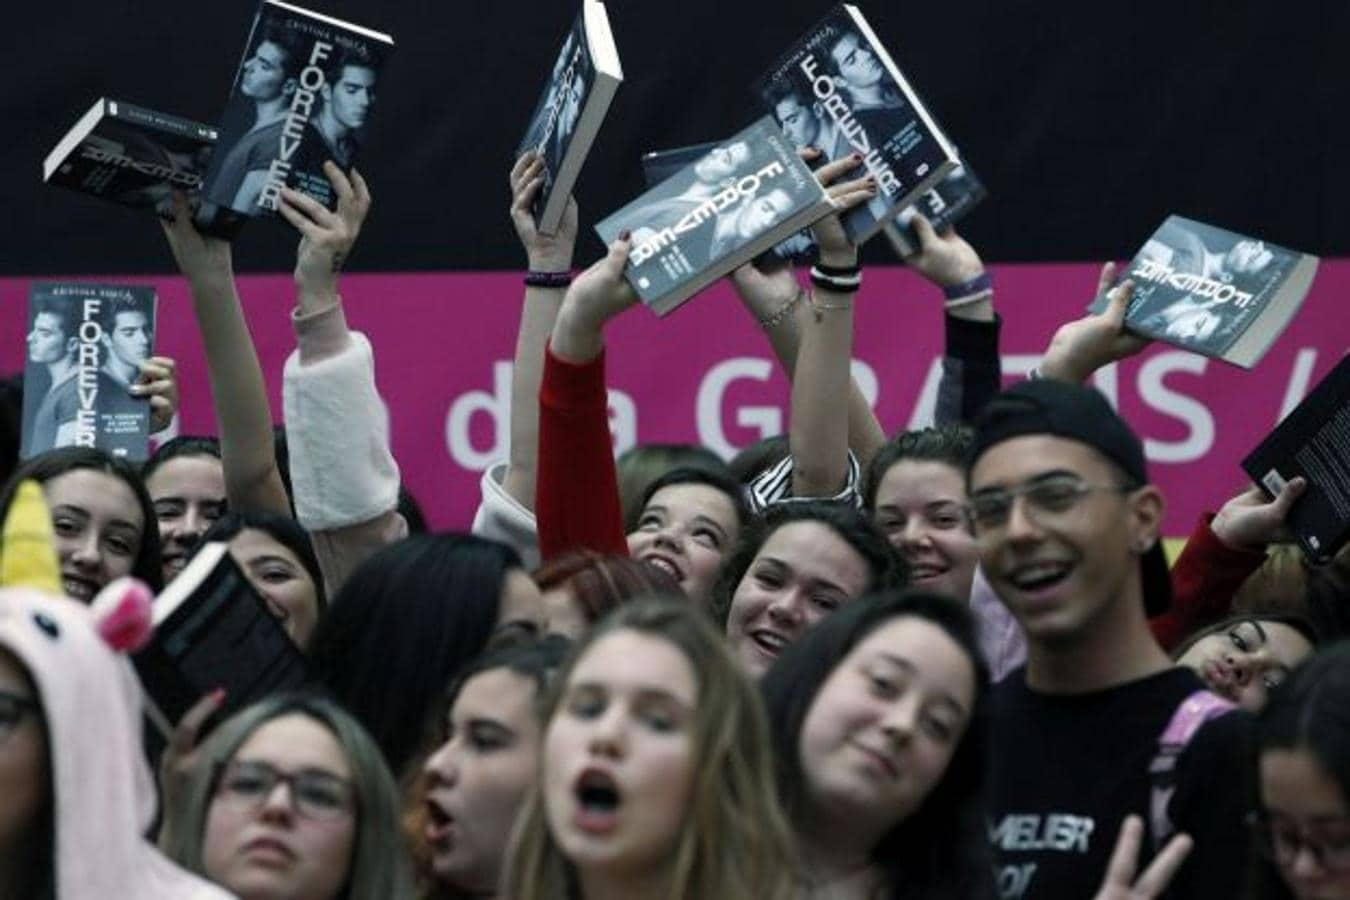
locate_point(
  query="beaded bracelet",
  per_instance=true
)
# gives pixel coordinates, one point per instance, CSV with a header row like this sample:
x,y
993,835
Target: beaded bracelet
x,y
548,279
843,284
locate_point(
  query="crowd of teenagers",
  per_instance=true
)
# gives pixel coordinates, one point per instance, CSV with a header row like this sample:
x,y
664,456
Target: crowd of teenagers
x,y
953,663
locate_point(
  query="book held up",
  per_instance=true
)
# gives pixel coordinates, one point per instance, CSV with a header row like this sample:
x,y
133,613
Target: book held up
x,y
1313,442
839,90
85,343
304,94
722,210
212,630
585,76
1214,292
130,155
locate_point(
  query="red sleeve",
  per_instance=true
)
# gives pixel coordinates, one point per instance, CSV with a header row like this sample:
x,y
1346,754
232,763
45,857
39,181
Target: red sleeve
x,y
577,494
1204,579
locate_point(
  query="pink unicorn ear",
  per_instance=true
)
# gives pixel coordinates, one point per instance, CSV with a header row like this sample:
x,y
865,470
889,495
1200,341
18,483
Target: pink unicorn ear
x,y
122,613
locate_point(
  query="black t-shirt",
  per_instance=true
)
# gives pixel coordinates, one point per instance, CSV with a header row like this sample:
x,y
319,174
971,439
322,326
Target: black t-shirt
x,y
1067,770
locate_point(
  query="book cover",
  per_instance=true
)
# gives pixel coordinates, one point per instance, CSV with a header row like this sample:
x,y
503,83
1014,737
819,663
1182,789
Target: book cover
x,y
719,212
799,249
304,93
131,155
212,630
85,343
1214,292
839,90
565,121
945,205
1313,441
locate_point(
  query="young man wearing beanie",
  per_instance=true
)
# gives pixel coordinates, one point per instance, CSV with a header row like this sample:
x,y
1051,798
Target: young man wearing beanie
x,y
1099,724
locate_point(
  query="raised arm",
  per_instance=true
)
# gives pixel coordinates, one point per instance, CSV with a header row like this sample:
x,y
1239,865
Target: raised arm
x,y
1084,345
971,369
238,392
344,476
550,260
577,501
819,430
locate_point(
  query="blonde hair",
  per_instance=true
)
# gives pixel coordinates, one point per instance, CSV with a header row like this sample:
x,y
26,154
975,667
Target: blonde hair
x,y
735,841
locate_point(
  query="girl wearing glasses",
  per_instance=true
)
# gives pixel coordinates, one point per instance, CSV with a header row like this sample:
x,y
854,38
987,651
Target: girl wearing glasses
x,y
1302,825
292,799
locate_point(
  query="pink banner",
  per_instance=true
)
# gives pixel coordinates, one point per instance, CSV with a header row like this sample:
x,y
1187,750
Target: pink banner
x,y
443,345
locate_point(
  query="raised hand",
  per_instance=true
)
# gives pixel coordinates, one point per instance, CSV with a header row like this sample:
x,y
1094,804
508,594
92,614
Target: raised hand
x,y
1120,883
545,252
597,295
1251,520
158,381
202,259
1084,345
327,236
944,259
835,247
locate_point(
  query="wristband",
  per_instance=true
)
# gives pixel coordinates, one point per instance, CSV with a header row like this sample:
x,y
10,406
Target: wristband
x,y
837,271
844,284
968,300
548,279
980,283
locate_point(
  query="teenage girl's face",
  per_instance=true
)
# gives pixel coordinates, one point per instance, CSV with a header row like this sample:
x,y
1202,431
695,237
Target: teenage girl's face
x,y
23,756
189,495
618,754
884,726
477,779
1246,660
270,843
99,528
918,507
687,530
803,571
1309,824
284,583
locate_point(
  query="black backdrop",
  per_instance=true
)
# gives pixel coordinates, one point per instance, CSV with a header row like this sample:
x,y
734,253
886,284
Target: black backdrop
x,y
1089,121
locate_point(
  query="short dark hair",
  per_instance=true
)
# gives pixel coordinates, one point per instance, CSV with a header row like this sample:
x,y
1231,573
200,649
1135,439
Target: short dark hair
x,y
715,479
948,444
64,309
639,466
885,568
114,307
45,466
941,849
183,445
283,529
402,627
293,60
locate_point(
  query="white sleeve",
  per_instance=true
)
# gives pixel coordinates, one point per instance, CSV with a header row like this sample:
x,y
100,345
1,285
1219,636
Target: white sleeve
x,y
501,517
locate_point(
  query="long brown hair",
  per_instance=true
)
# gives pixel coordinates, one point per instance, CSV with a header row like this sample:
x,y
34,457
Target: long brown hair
x,y
735,841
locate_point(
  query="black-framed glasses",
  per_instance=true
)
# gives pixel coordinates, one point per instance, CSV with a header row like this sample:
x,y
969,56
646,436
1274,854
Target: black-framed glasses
x,y
1047,501
1282,841
314,793
13,708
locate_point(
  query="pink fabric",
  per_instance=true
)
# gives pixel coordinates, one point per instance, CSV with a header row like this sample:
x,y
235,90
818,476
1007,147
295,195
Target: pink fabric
x,y
104,796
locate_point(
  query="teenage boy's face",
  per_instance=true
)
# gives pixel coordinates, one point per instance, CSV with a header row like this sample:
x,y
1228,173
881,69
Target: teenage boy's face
x,y
1059,568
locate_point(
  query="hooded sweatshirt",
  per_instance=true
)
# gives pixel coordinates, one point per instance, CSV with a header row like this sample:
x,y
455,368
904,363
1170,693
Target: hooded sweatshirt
x,y
103,795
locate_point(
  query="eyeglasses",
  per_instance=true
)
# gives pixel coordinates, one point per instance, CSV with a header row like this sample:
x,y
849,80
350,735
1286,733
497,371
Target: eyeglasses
x,y
313,794
13,707
1281,842
1049,501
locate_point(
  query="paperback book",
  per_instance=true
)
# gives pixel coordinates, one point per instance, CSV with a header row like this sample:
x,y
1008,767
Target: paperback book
x,y
131,155
1313,441
1215,292
945,205
212,630
565,121
799,249
304,94
717,213
838,89
85,343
